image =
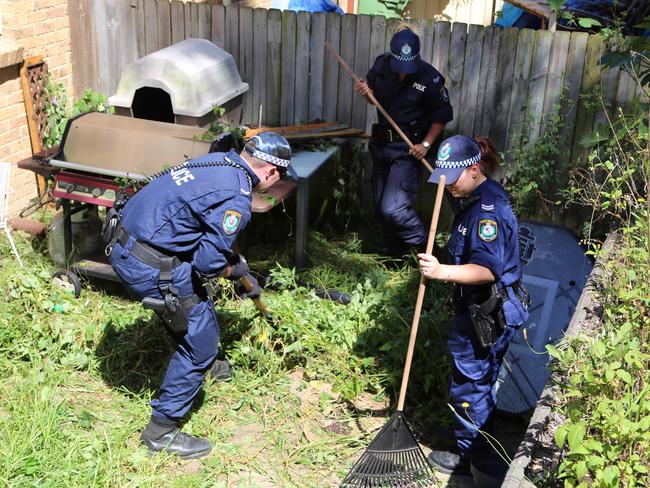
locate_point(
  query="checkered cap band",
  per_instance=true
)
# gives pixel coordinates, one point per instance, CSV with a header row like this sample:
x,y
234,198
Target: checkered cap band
x,y
406,59
458,164
270,159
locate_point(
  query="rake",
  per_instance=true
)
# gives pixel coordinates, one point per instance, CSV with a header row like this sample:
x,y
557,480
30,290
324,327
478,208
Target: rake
x,y
394,458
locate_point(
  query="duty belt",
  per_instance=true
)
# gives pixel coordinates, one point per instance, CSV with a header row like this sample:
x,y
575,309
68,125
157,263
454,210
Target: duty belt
x,y
387,135
150,256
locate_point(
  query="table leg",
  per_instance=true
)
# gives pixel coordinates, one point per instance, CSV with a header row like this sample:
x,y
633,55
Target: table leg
x,y
302,222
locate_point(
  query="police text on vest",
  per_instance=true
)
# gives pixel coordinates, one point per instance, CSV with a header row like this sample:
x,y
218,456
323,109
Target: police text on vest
x,y
181,175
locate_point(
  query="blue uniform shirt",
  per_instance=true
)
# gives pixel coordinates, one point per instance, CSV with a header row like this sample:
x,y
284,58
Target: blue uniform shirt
x,y
194,213
486,232
421,98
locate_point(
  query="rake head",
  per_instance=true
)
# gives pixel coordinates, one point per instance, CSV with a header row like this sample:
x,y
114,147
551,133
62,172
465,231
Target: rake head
x,y
393,459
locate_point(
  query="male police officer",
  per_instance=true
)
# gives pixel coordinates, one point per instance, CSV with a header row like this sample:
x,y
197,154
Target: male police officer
x,y
176,231
413,93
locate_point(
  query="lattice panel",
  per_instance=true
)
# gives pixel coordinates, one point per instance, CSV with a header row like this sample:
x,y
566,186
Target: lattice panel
x,y
34,78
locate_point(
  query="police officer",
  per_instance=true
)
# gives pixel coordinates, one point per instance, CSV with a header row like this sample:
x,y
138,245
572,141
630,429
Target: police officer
x,y
490,302
175,232
413,93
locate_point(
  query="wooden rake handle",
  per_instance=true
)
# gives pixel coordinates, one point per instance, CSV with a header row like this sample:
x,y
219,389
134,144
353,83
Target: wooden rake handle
x,y
257,301
374,101
421,290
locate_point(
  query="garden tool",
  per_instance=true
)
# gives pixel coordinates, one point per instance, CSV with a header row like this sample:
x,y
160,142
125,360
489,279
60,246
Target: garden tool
x,y
259,304
394,458
374,101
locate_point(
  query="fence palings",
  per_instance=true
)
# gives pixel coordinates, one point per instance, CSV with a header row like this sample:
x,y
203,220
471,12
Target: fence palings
x,y
497,78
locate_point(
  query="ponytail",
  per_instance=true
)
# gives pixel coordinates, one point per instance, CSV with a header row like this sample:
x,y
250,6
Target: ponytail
x,y
490,159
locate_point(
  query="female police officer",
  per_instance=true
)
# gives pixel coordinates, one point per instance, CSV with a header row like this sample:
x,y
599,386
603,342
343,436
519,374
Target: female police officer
x,y
176,231
490,302
413,93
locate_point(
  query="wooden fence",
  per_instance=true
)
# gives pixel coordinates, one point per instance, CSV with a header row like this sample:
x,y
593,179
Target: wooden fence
x,y
496,77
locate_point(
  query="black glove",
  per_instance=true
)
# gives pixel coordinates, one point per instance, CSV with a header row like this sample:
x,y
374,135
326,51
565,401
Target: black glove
x,y
238,267
242,291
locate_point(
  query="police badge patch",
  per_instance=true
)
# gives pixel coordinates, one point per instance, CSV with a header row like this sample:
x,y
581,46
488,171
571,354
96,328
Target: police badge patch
x,y
487,230
231,221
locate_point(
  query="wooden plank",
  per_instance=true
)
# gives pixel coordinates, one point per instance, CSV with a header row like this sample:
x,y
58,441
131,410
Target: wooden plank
x,y
150,26
440,54
490,51
498,121
193,9
103,58
426,40
288,68
391,27
572,79
537,84
348,35
246,61
556,73
260,38
377,47
218,30
471,71
331,75
519,90
164,24
187,20
608,89
204,20
118,17
232,31
301,94
361,62
82,43
625,90
317,65
177,21
273,69
137,28
590,79
456,67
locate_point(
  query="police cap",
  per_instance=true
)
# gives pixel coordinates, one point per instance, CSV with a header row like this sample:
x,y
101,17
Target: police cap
x,y
272,148
405,52
455,154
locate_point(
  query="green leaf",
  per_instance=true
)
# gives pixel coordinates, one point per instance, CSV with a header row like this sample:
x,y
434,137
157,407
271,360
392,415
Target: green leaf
x,y
624,375
581,469
588,23
560,435
575,435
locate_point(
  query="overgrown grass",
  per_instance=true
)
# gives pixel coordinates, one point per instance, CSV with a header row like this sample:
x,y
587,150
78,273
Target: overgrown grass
x,y
605,377
76,376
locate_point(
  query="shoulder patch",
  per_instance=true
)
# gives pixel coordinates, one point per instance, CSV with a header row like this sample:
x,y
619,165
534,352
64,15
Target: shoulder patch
x,y
444,94
231,221
488,230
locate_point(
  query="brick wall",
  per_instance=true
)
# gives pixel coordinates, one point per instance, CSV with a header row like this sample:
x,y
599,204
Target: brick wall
x,y
40,27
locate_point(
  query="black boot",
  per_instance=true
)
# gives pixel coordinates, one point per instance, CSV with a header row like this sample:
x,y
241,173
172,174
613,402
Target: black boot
x,y
448,463
164,435
220,371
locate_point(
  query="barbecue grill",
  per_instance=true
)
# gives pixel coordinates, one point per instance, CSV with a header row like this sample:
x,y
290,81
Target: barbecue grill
x,y
98,149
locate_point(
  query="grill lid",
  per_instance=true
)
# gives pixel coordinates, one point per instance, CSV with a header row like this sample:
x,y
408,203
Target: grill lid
x,y
112,145
195,73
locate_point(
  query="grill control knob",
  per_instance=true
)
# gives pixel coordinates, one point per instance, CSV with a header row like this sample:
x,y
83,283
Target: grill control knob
x,y
96,192
69,187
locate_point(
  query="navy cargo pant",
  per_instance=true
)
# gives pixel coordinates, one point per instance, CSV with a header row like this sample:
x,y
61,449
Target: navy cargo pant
x,y
395,182
197,348
475,370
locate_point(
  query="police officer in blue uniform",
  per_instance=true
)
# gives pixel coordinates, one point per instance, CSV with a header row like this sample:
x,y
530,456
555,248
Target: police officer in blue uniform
x,y
490,302
175,232
413,93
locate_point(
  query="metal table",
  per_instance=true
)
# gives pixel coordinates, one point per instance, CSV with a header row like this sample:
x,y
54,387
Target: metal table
x,y
306,164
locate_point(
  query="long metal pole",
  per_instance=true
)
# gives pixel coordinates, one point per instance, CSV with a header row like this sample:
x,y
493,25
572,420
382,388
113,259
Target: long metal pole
x,y
374,101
